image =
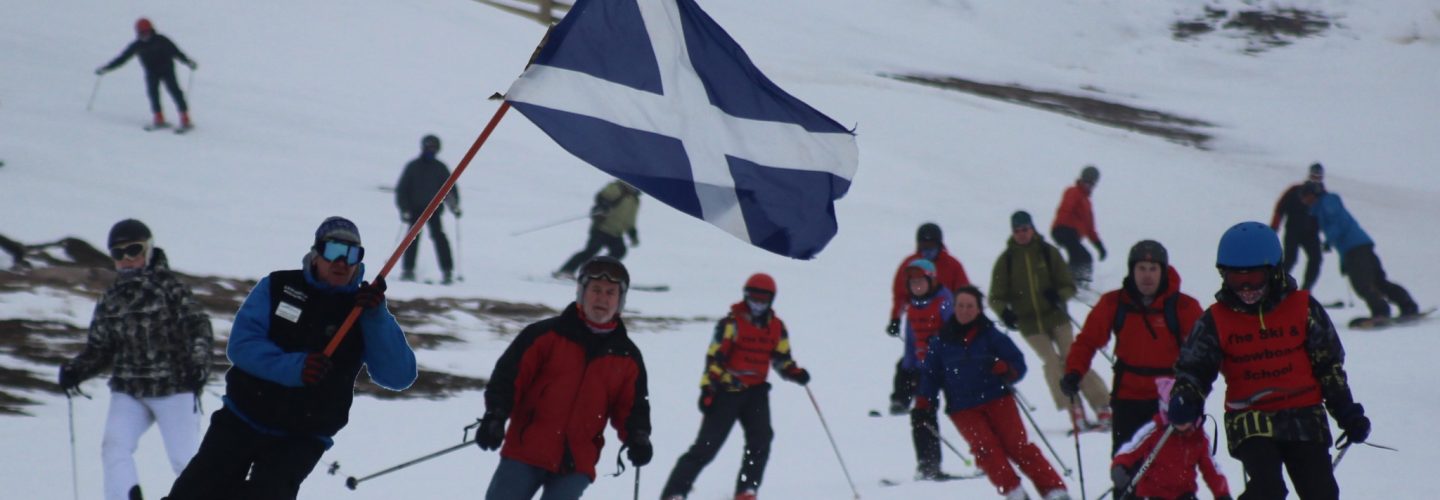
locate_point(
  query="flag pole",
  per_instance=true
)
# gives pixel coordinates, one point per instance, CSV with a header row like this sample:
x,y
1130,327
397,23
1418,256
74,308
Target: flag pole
x,y
430,209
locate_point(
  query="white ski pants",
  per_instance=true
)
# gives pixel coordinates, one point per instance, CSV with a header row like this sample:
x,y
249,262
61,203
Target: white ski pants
x,y
129,418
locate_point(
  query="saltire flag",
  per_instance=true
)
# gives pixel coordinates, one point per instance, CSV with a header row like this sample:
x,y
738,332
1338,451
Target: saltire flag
x,y
654,92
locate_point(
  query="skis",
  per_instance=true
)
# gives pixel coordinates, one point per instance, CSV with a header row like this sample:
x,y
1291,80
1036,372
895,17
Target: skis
x,y
643,287
1367,323
943,477
1088,427
181,130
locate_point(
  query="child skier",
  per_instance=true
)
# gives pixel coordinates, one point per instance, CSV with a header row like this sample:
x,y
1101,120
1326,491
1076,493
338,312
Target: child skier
x,y
928,309
1172,474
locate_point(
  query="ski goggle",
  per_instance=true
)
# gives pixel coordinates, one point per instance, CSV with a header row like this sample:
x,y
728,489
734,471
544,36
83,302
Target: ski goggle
x,y
759,296
334,251
1246,279
605,271
127,251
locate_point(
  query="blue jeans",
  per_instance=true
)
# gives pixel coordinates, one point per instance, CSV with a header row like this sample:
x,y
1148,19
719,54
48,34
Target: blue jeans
x,y
518,481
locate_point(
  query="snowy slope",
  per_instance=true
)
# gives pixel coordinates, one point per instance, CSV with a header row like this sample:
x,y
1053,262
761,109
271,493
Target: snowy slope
x,y
306,109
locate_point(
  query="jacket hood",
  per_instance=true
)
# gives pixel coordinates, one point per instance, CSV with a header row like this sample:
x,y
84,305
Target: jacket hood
x,y
1169,285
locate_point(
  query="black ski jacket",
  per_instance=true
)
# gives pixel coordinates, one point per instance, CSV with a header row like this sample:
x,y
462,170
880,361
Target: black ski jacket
x,y
419,182
157,55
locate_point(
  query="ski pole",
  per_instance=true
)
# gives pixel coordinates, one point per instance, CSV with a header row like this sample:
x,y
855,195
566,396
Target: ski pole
x,y
190,85
952,447
1341,456
351,482
550,224
637,482
1145,466
419,223
1105,493
74,465
833,446
91,105
1041,433
1079,462
1021,398
460,246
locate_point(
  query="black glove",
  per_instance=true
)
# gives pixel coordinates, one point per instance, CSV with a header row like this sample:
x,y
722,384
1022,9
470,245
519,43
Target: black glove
x,y
1010,320
69,380
491,432
192,64
796,374
196,379
1121,478
101,71
1355,424
407,217
640,450
893,329
1070,384
317,364
1100,247
371,294
1051,296
1186,405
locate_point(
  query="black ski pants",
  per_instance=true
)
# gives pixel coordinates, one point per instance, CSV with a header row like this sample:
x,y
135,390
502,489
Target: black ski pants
x,y
1081,263
1129,416
152,89
923,423
437,235
905,384
752,408
614,246
1367,276
1296,239
232,449
1307,462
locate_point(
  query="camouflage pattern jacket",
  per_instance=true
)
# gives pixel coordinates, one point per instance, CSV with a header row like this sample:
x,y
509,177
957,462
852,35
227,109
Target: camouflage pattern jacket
x,y
151,332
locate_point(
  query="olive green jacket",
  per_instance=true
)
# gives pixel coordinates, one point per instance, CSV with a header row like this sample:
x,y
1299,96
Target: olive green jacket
x,y
615,209
1020,278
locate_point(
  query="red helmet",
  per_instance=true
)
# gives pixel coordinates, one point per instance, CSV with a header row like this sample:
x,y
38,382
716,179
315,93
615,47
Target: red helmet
x,y
760,282
143,25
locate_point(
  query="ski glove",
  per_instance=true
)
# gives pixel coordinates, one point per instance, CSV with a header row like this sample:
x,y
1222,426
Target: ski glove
x,y
1051,296
1121,478
192,64
407,217
371,294
491,432
707,396
1070,384
69,380
1186,405
1010,319
101,71
640,450
1100,247
796,374
1355,424
317,364
1001,368
893,329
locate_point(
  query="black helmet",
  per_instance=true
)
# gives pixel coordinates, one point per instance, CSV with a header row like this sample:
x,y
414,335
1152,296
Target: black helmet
x,y
928,231
128,231
1149,251
1090,174
430,142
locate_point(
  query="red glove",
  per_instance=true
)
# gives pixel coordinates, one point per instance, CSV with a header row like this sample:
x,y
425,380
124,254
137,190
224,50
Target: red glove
x,y
922,403
317,364
1000,368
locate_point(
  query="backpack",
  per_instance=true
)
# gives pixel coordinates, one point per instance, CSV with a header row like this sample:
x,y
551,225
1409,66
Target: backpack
x,y
1172,321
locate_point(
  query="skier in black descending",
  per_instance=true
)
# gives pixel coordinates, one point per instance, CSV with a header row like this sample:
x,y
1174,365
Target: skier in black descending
x,y
1301,230
422,178
157,55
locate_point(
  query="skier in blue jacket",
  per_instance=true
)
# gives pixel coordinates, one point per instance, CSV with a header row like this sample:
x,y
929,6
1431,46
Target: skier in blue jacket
x,y
1357,257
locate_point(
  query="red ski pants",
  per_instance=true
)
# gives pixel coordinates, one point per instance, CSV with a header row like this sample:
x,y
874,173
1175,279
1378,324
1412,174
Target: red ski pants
x,y
996,438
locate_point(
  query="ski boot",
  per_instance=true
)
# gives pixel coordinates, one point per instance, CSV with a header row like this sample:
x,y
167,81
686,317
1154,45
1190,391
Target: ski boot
x,y
407,275
1104,419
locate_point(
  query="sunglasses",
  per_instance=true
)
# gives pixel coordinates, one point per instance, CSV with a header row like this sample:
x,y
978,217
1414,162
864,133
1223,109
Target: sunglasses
x,y
334,251
127,251
1247,280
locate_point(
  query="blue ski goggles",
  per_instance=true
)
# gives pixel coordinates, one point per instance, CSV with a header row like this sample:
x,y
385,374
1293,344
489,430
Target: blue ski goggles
x,y
334,251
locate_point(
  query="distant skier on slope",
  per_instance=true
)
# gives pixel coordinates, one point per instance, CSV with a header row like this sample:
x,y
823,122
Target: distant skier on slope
x,y
155,338
949,273
1281,359
748,342
1150,318
929,307
421,179
157,54
1357,257
1074,219
612,216
1029,289
975,365
1301,229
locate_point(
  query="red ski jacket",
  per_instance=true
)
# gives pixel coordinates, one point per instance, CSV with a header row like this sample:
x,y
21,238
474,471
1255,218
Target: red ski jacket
x,y
742,351
560,382
948,273
1074,212
1147,344
1172,474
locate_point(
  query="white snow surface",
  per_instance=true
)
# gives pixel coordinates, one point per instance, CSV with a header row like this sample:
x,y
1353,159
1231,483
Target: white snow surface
x,y
304,109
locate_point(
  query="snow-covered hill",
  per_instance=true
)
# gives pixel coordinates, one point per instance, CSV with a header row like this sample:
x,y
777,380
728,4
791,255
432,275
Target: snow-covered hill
x,y
306,109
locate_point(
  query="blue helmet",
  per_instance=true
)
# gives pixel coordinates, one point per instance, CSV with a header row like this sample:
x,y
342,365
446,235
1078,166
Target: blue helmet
x,y
1248,244
924,265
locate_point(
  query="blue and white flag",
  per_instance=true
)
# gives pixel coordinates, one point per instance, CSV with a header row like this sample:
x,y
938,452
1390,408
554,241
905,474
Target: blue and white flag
x,y
655,93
